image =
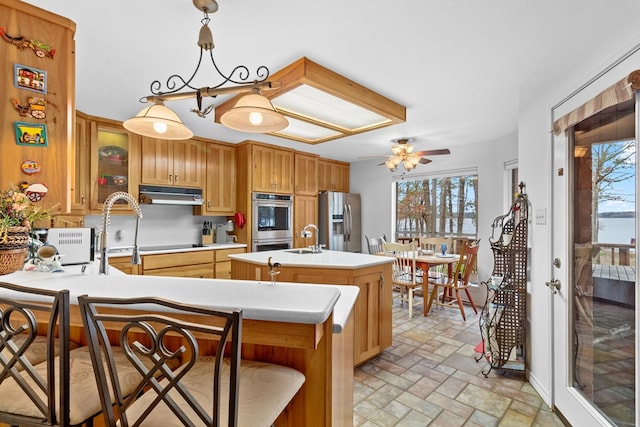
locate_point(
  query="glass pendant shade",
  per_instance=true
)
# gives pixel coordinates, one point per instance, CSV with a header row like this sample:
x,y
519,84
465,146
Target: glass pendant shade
x,y
255,114
158,121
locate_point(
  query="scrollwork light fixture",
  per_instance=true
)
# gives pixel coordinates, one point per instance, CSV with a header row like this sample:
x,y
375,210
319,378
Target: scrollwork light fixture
x,y
252,113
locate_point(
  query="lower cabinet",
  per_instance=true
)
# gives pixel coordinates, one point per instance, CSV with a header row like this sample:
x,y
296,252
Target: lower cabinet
x,y
123,263
223,262
372,316
199,264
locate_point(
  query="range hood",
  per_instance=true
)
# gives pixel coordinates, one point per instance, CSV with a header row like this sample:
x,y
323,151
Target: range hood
x,y
151,194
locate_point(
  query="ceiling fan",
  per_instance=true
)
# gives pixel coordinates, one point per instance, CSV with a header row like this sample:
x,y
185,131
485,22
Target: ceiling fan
x,y
403,154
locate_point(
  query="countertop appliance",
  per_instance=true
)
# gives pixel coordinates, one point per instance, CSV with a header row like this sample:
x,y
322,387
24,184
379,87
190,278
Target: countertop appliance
x,y
75,245
339,216
222,232
272,221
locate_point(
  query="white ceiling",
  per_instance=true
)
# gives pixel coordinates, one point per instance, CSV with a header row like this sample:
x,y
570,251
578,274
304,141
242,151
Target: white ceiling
x,y
459,66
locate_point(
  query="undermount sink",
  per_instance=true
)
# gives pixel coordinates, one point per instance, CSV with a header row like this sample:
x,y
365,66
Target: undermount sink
x,y
300,251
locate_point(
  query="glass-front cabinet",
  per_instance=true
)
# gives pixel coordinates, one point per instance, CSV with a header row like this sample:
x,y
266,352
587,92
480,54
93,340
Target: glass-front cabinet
x,y
114,163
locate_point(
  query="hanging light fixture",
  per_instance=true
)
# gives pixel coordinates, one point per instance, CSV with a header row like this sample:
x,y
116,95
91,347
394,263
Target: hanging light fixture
x,y
252,113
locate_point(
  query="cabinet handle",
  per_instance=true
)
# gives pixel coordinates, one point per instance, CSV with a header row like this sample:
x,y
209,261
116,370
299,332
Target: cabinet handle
x,y
82,199
208,203
170,177
175,179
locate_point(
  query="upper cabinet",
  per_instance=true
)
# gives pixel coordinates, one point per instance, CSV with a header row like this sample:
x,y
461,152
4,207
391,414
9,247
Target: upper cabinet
x,y
114,152
306,174
272,169
38,100
172,163
220,183
80,190
333,176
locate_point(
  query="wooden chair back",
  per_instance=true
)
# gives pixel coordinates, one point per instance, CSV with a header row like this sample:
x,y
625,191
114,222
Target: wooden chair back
x,y
435,243
404,264
374,244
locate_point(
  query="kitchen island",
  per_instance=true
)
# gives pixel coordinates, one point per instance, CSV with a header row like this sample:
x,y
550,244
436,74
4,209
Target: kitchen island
x,y
285,324
371,274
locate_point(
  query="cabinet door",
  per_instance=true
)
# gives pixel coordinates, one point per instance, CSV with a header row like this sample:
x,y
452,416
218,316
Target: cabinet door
x,y
262,164
305,211
114,154
306,175
220,183
188,163
368,336
157,161
324,176
80,172
340,177
282,171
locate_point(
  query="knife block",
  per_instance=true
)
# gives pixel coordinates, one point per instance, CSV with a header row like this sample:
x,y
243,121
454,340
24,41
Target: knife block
x,y
207,239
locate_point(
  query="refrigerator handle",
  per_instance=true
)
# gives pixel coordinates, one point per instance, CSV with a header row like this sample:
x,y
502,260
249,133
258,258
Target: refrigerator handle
x,y
348,222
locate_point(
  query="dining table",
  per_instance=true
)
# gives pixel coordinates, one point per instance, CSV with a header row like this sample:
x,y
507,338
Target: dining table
x,y
427,260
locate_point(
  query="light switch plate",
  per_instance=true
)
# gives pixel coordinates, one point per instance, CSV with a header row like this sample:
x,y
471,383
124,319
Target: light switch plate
x,y
541,216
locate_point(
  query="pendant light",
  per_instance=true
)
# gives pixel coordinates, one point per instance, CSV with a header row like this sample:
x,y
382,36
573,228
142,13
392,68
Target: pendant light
x,y
158,121
254,113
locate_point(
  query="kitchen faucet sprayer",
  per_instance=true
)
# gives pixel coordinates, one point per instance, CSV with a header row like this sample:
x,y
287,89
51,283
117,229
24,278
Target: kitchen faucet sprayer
x,y
104,233
306,234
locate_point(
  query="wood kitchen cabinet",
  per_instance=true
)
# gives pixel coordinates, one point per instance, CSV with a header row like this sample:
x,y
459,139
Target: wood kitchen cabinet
x,y
81,144
223,262
199,264
123,263
333,175
172,163
305,174
372,312
305,211
115,166
50,149
220,184
272,169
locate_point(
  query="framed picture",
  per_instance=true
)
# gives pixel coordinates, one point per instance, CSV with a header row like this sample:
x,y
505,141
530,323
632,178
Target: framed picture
x,y
30,78
31,134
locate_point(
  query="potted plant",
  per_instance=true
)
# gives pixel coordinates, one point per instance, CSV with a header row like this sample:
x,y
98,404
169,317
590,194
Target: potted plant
x,y
17,213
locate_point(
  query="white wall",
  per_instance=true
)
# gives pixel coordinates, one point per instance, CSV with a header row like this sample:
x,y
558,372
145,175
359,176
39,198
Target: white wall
x,y
374,183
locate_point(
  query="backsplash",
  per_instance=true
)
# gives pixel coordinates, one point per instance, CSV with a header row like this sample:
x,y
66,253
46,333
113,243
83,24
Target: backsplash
x,y
160,225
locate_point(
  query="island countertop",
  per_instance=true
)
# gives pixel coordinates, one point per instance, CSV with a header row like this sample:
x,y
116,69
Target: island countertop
x,y
330,259
283,302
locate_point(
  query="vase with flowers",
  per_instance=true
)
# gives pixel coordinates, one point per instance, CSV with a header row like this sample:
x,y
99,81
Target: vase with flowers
x,y
17,213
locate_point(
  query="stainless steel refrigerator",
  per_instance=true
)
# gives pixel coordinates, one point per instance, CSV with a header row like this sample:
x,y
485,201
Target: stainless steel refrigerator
x,y
339,221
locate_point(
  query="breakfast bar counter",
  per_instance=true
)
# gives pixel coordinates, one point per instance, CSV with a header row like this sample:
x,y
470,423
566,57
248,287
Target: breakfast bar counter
x,y
370,274
286,323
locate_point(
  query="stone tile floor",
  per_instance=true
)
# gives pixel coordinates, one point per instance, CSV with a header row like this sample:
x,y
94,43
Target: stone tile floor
x,y
429,377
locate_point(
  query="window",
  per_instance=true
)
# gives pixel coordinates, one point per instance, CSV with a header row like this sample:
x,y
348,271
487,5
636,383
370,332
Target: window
x,y
437,205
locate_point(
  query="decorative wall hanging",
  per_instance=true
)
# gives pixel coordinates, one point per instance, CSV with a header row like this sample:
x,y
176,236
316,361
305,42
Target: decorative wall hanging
x,y
30,167
39,48
36,192
30,78
31,134
35,107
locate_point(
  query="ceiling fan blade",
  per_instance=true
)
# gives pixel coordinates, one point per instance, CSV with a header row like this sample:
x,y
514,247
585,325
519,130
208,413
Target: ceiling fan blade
x,y
424,161
433,152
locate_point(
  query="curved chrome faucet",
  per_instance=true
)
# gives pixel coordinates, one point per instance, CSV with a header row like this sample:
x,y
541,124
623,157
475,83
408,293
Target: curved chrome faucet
x,y
104,234
306,234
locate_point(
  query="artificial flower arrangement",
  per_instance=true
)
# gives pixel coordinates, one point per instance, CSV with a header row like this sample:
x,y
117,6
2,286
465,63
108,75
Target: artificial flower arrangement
x,y
17,210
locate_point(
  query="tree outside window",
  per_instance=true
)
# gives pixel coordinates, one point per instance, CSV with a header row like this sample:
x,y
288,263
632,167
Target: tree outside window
x,y
446,205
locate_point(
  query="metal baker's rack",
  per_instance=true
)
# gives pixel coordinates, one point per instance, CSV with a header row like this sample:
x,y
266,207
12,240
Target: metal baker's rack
x,y
504,317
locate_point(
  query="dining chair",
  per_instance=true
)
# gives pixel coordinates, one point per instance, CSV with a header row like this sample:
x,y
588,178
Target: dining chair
x,y
446,290
210,387
42,394
375,244
405,277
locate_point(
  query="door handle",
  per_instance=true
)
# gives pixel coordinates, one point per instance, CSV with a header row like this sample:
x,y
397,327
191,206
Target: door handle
x,y
554,285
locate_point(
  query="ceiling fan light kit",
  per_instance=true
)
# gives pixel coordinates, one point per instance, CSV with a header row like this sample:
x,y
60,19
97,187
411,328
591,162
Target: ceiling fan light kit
x,y
403,154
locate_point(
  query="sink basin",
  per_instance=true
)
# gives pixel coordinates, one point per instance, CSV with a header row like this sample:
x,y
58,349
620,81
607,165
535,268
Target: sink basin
x,y
300,251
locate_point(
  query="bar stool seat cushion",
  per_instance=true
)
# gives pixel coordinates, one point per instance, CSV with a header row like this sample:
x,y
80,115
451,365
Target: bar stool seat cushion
x,y
37,351
265,389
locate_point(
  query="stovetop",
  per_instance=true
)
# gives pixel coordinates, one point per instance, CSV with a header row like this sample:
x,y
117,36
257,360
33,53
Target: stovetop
x,y
169,247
